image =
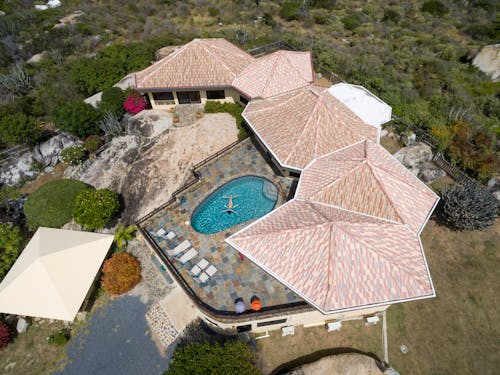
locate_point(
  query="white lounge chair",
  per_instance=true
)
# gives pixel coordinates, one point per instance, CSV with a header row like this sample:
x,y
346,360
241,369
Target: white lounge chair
x,y
203,263
183,246
334,326
211,270
161,232
195,270
202,278
171,235
289,330
190,254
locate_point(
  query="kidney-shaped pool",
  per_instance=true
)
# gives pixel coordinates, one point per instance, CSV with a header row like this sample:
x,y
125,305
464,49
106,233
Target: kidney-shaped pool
x,y
242,199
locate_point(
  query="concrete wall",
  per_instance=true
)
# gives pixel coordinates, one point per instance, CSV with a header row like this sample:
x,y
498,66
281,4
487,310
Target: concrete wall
x,y
232,96
307,319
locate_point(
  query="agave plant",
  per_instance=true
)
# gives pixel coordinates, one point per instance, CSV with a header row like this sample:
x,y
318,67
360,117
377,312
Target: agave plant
x,y
123,235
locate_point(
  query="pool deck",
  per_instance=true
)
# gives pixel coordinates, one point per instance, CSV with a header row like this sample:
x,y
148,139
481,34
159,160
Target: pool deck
x,y
235,278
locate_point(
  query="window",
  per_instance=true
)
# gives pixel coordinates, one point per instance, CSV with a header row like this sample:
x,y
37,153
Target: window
x,y
294,174
243,100
216,94
245,328
271,322
188,97
166,97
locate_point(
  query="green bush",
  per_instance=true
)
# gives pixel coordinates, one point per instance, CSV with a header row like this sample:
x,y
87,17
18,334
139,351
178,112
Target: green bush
x,y
19,128
73,155
434,7
59,338
391,15
320,16
352,21
233,357
290,10
213,12
92,143
112,100
268,19
11,245
78,118
111,64
95,208
52,204
233,109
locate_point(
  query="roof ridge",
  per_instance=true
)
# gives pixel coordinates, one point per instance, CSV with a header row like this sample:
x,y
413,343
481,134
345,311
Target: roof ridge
x,y
306,126
382,188
285,55
221,61
275,97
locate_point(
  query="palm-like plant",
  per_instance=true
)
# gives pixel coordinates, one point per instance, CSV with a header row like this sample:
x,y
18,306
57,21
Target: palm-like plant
x,y
123,235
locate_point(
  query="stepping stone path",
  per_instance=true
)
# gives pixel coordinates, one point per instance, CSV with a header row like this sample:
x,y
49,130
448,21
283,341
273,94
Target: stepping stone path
x,y
161,325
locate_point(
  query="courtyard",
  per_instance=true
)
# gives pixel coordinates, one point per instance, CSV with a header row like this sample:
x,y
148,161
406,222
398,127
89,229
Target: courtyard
x,y
235,277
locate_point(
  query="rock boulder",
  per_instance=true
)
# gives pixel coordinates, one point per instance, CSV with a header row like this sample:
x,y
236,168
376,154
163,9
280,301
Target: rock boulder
x,y
488,61
22,325
429,172
47,153
414,155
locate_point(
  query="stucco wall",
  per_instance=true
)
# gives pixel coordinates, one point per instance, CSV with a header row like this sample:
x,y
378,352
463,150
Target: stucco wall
x,y
232,96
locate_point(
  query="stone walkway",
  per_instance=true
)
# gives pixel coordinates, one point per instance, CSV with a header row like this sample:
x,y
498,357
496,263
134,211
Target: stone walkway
x,y
161,325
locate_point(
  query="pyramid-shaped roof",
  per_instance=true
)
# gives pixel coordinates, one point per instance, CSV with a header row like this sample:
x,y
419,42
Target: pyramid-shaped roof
x,y
199,63
346,243
53,274
276,73
365,178
304,124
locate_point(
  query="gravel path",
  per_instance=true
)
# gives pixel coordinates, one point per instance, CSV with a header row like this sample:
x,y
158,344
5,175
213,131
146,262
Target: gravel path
x,y
117,340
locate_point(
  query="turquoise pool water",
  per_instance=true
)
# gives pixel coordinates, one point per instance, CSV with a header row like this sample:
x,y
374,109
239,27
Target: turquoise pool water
x,y
253,197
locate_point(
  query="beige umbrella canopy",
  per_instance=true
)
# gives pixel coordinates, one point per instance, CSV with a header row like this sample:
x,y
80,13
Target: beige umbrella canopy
x,y
53,274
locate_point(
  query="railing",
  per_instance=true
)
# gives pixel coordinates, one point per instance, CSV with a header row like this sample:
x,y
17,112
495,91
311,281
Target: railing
x,y
216,155
12,153
271,47
209,310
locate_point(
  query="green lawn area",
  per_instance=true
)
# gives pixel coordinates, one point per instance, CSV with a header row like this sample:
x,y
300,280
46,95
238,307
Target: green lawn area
x,y
52,204
455,333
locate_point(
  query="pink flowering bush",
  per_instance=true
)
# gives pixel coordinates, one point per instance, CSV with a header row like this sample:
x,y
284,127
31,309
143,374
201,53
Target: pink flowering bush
x,y
134,103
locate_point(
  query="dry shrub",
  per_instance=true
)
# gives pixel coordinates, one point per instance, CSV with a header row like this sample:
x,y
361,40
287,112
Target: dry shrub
x,y
121,273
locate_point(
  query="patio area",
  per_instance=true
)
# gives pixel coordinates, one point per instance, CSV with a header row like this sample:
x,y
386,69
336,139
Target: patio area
x,y
235,278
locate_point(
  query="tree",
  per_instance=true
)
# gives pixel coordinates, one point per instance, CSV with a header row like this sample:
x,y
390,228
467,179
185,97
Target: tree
x,y
123,235
121,273
469,207
20,128
78,118
112,100
52,204
95,208
290,10
11,243
233,357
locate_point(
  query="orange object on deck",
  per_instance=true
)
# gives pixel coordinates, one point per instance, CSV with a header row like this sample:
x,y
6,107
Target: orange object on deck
x,y
256,305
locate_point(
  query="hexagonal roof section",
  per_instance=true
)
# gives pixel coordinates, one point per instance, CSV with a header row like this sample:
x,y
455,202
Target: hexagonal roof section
x,y
304,124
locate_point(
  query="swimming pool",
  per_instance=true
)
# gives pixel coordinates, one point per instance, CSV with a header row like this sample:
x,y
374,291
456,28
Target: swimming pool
x,y
252,197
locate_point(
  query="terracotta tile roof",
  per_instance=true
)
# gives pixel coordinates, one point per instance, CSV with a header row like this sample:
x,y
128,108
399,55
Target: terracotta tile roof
x,y
365,178
345,241
274,74
199,63
305,123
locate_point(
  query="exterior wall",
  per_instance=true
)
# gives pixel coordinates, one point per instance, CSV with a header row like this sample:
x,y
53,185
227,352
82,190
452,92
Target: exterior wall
x,y
232,96
307,319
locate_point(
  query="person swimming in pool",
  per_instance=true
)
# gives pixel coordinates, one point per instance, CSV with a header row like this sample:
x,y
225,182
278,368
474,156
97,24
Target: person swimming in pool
x,y
230,205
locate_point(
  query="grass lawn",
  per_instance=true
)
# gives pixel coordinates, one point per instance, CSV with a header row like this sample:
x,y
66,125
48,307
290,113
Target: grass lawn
x,y
455,333
52,204
458,331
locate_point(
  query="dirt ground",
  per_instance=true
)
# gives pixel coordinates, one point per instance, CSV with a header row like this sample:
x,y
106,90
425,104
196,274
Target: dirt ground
x,y
277,350
42,179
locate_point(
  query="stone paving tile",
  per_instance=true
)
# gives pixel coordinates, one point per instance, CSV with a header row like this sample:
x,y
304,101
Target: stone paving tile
x,y
235,278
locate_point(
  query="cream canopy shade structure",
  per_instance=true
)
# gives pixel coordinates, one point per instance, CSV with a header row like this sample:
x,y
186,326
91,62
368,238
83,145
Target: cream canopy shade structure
x,y
53,274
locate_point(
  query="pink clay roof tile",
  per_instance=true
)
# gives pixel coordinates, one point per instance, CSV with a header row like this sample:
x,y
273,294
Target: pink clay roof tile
x,y
274,74
199,63
341,246
306,123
